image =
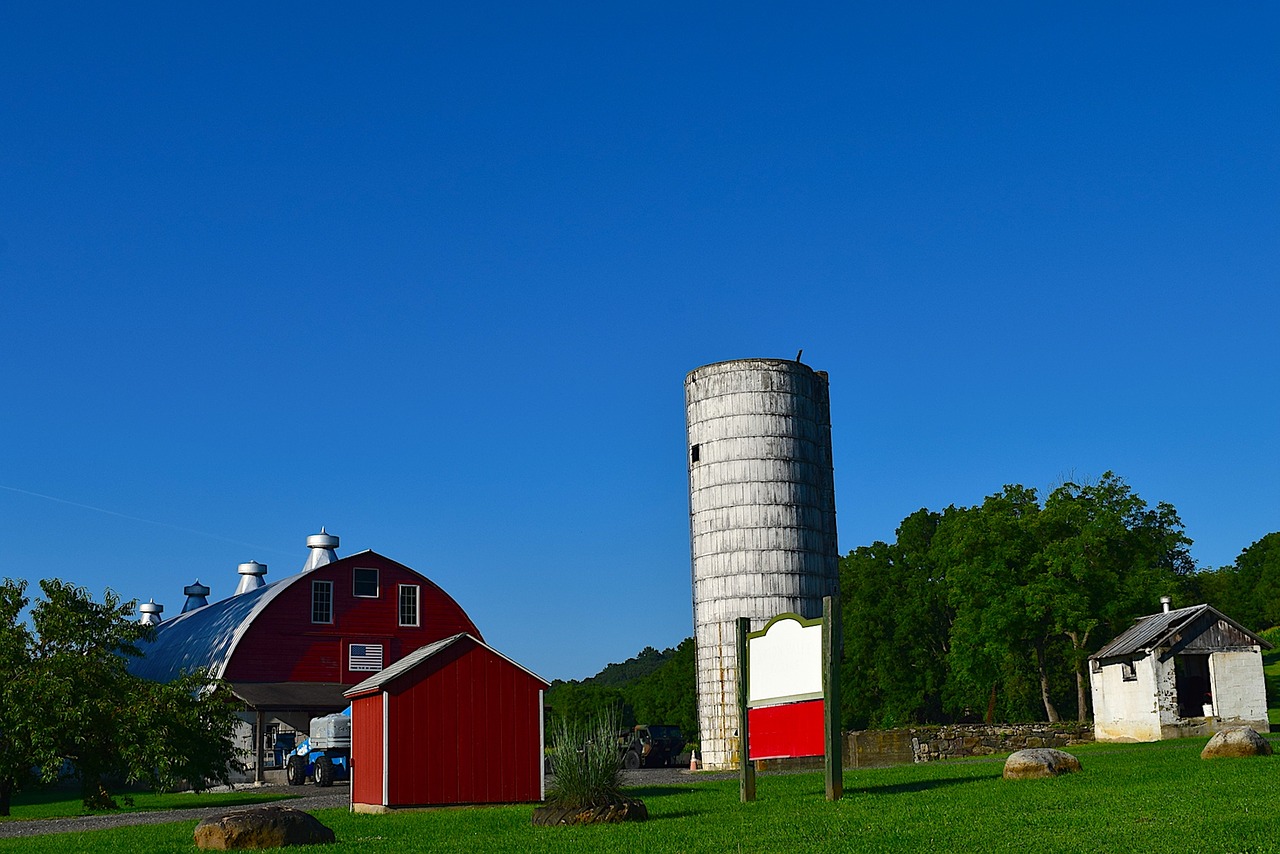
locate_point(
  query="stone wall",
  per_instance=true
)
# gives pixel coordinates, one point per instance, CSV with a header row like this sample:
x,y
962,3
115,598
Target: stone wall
x,y
882,748
929,744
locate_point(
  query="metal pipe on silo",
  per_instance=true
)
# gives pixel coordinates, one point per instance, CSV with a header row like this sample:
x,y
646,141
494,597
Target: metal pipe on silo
x,y
762,519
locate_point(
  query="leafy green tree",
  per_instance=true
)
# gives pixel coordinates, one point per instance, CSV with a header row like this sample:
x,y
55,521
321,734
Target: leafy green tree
x,y
80,706
896,628
1105,557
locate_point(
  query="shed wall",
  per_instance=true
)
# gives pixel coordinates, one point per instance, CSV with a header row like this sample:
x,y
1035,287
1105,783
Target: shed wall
x,y
761,516
1126,711
464,728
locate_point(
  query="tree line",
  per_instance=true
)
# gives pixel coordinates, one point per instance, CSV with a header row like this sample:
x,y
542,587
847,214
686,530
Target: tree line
x,y
990,612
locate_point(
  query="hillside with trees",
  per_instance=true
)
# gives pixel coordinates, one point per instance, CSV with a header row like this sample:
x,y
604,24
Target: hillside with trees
x,y
651,688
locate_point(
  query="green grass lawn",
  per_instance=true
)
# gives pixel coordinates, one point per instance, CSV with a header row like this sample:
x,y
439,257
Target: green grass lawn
x,y
1145,797
56,803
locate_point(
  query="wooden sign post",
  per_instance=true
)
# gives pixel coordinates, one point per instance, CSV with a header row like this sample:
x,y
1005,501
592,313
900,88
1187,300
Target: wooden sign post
x,y
788,694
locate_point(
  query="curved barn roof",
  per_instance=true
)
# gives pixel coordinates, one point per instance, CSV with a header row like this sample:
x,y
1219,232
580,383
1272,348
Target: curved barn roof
x,y
203,638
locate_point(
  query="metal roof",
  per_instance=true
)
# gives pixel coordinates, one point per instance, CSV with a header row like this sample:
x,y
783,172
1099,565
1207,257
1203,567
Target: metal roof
x,y
205,637
388,674
1155,630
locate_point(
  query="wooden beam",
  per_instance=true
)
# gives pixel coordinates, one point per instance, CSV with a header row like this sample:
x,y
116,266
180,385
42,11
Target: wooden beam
x,y
834,765
746,768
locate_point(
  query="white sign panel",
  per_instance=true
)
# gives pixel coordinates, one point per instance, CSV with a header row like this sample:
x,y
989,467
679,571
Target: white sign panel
x,y
785,663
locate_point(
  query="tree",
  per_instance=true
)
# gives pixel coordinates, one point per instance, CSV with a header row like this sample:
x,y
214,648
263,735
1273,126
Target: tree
x,y
79,705
1104,558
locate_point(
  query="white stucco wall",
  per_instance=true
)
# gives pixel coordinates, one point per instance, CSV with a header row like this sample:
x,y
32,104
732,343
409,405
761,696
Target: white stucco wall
x,y
1239,689
1146,709
1126,711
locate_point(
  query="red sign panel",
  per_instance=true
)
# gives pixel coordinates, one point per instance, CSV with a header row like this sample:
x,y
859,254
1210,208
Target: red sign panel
x,y
792,729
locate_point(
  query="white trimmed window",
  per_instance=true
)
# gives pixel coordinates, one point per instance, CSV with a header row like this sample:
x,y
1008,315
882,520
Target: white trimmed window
x,y
409,605
322,601
364,582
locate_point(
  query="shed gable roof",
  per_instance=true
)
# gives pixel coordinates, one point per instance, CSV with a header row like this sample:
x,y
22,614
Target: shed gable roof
x,y
1157,630
422,654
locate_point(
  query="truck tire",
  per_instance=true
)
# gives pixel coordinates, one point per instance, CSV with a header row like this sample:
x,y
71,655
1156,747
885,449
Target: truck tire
x,y
631,761
325,772
295,770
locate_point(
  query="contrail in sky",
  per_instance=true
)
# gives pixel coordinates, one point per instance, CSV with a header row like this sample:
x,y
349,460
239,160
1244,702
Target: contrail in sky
x,y
140,519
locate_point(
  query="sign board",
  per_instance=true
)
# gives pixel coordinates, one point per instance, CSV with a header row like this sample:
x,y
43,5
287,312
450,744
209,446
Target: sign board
x,y
784,693
788,694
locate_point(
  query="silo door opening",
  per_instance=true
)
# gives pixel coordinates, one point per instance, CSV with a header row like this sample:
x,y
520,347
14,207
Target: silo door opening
x,y
1191,673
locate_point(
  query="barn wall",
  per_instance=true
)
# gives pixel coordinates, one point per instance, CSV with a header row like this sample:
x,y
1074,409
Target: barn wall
x,y
367,750
283,645
465,728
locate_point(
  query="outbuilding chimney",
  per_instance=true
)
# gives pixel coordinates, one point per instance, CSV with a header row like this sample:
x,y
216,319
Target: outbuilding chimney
x,y
197,596
322,547
150,612
251,576
1165,602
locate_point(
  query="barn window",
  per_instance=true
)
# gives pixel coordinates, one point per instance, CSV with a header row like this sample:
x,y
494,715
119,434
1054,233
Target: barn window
x,y
1127,671
408,604
695,453
365,582
322,601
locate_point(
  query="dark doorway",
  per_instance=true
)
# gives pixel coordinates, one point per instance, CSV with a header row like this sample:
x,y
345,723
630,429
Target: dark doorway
x,y
1192,675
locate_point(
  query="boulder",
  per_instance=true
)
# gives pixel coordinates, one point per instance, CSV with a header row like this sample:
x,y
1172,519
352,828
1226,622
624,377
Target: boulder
x,y
626,810
1236,741
1039,762
262,827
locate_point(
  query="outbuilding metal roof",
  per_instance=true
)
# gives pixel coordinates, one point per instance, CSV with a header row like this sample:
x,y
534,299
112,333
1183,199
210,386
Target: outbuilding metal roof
x,y
387,675
1157,630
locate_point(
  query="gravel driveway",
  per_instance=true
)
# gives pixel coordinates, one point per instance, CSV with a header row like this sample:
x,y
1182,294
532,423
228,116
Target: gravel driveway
x,y
338,796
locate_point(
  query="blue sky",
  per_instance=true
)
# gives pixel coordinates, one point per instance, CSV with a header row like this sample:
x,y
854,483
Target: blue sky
x,y
431,275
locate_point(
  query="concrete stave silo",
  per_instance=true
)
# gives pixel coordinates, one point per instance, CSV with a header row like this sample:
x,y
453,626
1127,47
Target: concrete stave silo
x,y
762,517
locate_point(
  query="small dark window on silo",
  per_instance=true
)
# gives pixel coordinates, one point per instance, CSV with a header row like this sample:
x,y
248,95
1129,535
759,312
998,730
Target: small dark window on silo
x,y
695,453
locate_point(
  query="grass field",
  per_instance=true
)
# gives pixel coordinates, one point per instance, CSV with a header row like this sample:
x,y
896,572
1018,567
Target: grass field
x,y
1148,797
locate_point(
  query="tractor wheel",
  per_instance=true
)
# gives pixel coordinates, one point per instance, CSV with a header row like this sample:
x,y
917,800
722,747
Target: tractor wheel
x,y
295,770
631,761
324,771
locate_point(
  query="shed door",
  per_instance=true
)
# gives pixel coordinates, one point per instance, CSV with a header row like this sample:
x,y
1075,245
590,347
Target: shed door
x,y
1194,691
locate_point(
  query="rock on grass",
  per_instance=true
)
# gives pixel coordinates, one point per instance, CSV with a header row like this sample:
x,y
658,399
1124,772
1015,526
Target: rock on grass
x,y
1039,762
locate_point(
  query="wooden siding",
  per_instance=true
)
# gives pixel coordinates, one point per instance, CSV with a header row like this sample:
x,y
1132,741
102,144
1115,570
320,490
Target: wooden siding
x,y
366,750
283,645
1219,635
465,728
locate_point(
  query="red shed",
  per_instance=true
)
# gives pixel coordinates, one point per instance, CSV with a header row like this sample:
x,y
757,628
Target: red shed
x,y
455,722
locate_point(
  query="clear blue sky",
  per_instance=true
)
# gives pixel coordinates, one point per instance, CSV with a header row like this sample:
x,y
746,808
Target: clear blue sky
x,y
432,275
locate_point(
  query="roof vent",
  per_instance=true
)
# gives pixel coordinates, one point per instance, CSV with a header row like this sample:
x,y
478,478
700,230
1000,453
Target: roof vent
x,y
150,613
250,576
197,596
322,547
1165,602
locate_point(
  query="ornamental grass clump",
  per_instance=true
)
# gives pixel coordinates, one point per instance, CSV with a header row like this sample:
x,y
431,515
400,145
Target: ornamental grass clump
x,y
586,763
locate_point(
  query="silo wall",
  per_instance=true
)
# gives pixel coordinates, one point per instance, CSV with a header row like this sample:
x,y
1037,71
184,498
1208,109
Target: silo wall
x,y
762,520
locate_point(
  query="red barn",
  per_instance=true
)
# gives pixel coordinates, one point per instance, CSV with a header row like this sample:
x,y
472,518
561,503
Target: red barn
x,y
455,722
290,649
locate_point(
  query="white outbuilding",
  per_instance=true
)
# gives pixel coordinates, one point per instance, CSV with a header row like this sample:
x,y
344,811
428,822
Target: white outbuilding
x,y
1185,672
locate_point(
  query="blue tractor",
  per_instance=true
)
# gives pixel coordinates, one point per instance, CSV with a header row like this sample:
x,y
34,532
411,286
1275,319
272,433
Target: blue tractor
x,y
326,755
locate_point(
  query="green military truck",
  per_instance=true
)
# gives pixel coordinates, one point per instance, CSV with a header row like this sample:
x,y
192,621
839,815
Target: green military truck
x,y
649,746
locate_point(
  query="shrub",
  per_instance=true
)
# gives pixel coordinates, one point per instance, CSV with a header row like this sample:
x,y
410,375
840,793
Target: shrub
x,y
586,763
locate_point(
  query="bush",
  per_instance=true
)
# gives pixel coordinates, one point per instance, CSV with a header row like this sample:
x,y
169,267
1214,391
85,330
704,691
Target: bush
x,y
586,763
